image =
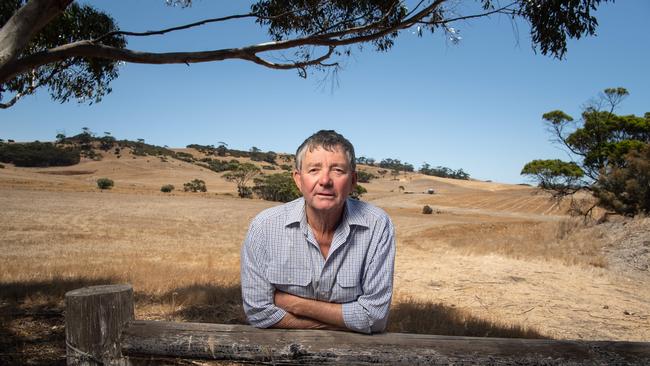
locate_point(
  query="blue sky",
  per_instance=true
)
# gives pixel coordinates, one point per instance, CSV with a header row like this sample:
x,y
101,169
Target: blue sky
x,y
476,105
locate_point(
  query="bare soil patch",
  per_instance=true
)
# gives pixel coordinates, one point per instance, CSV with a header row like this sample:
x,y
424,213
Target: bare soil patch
x,y
67,172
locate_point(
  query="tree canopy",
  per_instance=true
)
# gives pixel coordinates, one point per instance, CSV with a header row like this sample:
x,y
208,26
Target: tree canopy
x,y
75,50
609,151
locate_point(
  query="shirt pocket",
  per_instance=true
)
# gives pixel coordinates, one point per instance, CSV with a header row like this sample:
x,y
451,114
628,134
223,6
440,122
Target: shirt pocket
x,y
347,287
292,280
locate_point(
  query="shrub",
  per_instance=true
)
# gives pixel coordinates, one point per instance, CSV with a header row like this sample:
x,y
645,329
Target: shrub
x,y
167,188
196,185
357,192
626,189
365,177
105,183
276,187
443,172
218,166
186,157
427,210
2,166
38,154
91,154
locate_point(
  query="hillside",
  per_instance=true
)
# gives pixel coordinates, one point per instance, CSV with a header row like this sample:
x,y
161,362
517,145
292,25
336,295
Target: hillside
x,y
492,259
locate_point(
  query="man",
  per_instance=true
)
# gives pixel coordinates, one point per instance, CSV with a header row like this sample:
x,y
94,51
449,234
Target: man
x,y
323,261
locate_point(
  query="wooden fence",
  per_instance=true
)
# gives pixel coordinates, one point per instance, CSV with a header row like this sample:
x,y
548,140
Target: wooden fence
x,y
101,330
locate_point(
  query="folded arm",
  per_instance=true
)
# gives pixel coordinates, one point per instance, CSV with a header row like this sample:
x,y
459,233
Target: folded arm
x,y
308,313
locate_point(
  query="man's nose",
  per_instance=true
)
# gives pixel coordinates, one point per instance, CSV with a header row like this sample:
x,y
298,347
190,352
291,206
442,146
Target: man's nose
x,y
324,179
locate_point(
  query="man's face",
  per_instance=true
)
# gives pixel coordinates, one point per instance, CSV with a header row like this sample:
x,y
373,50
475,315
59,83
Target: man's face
x,y
325,179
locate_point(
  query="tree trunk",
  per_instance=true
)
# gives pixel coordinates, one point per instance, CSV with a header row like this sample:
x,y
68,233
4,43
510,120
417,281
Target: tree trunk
x,y
24,24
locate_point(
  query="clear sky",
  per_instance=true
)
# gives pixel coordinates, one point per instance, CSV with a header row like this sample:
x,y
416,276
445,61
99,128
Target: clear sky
x,y
476,105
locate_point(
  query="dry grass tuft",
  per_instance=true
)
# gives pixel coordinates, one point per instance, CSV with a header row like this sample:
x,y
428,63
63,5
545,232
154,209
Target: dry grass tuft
x,y
414,316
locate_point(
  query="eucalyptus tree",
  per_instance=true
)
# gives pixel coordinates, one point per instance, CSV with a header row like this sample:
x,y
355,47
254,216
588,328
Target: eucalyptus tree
x,y
75,50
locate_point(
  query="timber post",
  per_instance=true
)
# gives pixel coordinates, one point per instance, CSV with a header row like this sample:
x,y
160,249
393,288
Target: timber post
x,y
94,319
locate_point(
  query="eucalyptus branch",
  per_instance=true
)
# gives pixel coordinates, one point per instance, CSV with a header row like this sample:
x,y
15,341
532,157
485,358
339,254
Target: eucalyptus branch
x,y
34,85
196,24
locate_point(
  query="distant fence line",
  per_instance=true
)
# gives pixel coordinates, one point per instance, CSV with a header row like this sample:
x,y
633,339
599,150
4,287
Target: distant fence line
x,y
101,330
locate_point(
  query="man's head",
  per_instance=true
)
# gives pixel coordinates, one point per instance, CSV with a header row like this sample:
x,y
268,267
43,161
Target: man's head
x,y
328,140
325,172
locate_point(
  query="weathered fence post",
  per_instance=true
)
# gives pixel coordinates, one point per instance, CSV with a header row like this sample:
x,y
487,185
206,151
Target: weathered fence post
x,y
94,319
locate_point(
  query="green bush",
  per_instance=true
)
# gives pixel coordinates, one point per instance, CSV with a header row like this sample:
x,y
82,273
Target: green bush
x,y
276,187
38,154
196,185
427,210
186,157
357,192
218,166
443,172
364,176
626,189
167,188
105,183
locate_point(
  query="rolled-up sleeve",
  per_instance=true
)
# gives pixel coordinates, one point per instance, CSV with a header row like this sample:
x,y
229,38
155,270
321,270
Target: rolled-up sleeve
x,y
369,313
257,291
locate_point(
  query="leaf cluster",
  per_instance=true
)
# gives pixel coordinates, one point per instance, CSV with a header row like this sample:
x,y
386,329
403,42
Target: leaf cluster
x,y
309,18
552,22
82,79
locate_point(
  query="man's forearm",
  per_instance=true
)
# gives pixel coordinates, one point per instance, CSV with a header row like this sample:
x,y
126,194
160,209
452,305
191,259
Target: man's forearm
x,y
320,311
290,321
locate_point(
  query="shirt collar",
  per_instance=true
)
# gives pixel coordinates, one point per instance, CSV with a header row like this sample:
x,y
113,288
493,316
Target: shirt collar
x,y
352,214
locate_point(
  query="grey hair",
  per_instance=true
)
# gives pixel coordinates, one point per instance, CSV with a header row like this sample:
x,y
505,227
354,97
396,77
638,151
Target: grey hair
x,y
329,140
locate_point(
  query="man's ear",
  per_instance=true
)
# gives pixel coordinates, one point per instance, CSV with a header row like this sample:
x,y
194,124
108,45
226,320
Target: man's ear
x,y
354,179
296,179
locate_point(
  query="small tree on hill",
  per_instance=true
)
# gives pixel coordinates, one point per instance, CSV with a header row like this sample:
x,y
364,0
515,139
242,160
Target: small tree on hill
x,y
195,185
241,176
276,187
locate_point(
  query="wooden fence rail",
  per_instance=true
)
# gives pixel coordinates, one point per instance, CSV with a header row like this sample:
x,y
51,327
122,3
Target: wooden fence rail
x,y
101,330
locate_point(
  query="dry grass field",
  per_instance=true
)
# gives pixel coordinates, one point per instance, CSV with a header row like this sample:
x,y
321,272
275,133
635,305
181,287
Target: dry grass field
x,y
492,260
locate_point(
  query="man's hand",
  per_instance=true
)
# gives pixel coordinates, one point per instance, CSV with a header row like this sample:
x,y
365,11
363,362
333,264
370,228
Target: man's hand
x,y
320,311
